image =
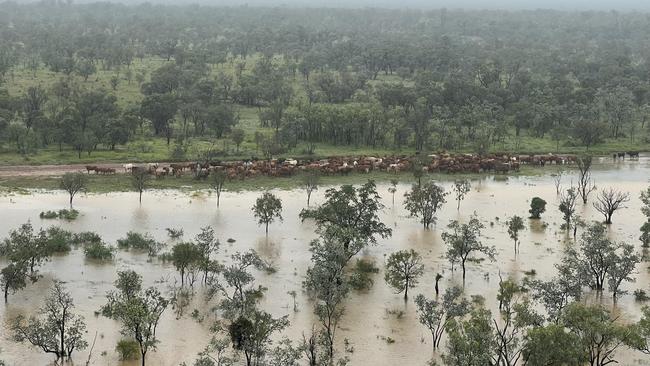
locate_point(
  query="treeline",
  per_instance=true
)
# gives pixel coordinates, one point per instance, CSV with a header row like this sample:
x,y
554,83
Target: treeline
x,y
428,80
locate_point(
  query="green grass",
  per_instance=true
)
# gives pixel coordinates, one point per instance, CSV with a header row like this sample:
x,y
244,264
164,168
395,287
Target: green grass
x,y
148,148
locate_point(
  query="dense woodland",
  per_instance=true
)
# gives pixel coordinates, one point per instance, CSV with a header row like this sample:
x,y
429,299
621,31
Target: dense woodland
x,y
105,76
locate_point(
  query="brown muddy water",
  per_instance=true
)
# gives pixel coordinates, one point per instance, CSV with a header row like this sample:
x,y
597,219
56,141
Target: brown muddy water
x,y
369,316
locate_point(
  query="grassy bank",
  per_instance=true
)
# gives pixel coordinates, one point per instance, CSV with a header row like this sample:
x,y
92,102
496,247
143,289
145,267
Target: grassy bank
x,y
122,182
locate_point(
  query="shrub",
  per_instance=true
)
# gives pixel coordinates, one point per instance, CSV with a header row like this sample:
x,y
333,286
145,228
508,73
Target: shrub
x,y
361,275
140,242
174,233
640,295
537,208
85,238
128,349
58,240
48,215
68,214
98,251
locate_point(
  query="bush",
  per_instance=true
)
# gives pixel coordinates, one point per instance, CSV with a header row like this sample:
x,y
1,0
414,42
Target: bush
x,y
49,215
58,240
85,238
640,295
98,251
128,349
140,242
537,207
174,233
361,275
61,214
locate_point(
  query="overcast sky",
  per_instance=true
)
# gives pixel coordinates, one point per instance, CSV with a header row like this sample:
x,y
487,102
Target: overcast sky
x,y
481,4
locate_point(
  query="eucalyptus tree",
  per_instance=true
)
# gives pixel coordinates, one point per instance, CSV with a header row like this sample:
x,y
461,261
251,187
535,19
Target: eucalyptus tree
x,y
436,314
515,225
267,209
461,187
464,240
403,270
73,183
609,201
424,201
217,182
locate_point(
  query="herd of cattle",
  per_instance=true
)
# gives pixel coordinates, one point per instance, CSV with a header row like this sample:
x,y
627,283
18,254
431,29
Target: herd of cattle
x,y
444,163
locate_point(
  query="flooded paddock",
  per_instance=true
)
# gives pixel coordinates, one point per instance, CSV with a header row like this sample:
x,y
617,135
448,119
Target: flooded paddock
x,y
369,316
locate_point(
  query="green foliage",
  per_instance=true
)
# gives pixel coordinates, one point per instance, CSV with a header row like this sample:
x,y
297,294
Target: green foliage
x,y
128,349
537,208
361,276
424,201
403,270
267,208
99,251
64,214
140,242
463,241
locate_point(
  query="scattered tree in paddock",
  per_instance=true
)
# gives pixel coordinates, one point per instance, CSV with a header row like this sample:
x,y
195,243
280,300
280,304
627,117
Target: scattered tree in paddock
x,y
557,293
436,315
537,207
643,343
609,201
403,270
461,188
217,181
73,183
471,340
140,179
624,263
138,310
463,240
58,330
184,256
645,234
424,201
553,345
557,180
267,208
645,199
310,180
251,334
237,135
585,183
515,225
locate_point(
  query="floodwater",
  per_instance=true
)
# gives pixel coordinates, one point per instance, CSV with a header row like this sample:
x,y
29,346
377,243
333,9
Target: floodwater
x,y
369,316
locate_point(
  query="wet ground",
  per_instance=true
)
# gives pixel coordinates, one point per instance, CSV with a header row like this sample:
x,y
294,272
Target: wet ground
x,y
369,316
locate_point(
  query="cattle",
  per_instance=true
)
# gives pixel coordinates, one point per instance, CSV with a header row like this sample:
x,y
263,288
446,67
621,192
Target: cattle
x,y
91,168
127,167
633,154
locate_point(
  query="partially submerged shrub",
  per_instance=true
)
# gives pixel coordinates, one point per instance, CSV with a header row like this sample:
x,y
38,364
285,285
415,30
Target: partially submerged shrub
x,y
640,295
174,233
140,242
58,240
361,278
48,215
128,349
85,238
98,251
61,214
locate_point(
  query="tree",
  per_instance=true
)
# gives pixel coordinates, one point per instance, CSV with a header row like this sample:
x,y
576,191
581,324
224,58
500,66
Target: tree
x,y
140,181
608,201
624,262
350,217
139,311
645,234
237,135
537,207
310,180
461,188
471,341
14,278
436,315
568,206
585,184
393,188
217,181
160,109
73,183
553,345
252,333
403,269
58,330
643,344
463,240
645,199
557,180
515,225
600,335
424,201
185,255
267,208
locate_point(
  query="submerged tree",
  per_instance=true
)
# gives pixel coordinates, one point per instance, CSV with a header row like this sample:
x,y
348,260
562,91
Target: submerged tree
x,y
73,183
350,217
461,188
537,207
403,270
568,207
585,183
310,180
609,201
393,189
58,330
515,225
217,181
424,201
140,181
267,208
436,315
14,278
463,240
138,310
